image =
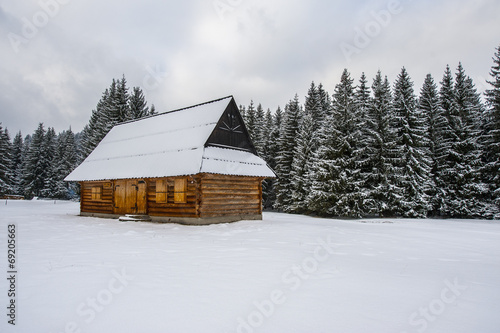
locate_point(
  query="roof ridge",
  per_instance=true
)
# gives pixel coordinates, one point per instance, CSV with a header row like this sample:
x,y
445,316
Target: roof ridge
x,y
175,110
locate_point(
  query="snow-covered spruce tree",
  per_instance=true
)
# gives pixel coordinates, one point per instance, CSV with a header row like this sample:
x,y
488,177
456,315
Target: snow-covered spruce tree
x,y
49,153
35,164
362,97
97,126
469,188
243,113
121,101
445,165
363,103
250,119
115,106
428,105
16,163
259,130
66,161
378,174
335,174
313,104
272,153
137,104
325,104
491,124
5,162
266,133
307,144
287,143
460,171
411,162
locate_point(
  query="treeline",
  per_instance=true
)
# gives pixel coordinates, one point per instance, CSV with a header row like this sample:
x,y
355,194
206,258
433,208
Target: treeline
x,y
37,164
381,150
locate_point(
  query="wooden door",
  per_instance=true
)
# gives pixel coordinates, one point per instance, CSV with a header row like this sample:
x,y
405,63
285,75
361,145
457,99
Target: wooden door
x,y
141,197
120,197
130,197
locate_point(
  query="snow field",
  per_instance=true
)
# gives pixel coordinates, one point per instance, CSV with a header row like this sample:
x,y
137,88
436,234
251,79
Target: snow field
x,y
287,273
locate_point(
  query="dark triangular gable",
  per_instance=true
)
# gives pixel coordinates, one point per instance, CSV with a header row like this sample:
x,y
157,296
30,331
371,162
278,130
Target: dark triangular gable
x,y
231,131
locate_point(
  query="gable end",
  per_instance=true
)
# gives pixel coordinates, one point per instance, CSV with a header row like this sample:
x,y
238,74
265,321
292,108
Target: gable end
x,y
231,132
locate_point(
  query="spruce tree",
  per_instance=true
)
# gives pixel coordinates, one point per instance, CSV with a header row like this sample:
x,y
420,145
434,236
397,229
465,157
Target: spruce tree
x,y
307,144
259,130
463,190
378,174
99,124
137,104
267,186
121,101
314,104
49,155
411,163
251,120
35,165
491,170
287,143
271,157
428,105
5,162
17,162
445,165
363,102
66,161
335,174
325,104
243,112
466,188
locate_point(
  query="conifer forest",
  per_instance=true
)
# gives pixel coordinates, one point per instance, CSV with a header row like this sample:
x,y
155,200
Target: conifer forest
x,y
367,148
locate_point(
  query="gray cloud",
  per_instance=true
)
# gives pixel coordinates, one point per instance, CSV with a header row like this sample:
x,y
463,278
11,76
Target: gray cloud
x,y
183,53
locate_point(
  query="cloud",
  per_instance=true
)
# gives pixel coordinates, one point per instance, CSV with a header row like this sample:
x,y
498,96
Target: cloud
x,y
260,50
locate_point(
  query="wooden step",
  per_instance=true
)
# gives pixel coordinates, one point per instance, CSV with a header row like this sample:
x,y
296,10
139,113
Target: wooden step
x,y
135,218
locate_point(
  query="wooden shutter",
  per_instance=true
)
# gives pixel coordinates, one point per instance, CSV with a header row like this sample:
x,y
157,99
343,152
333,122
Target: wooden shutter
x,y
96,192
180,190
161,190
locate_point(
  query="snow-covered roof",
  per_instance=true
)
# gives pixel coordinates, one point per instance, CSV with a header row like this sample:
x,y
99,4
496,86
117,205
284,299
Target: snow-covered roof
x,y
168,144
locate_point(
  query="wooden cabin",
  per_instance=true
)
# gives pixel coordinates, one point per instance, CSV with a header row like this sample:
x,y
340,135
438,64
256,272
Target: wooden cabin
x,y
195,165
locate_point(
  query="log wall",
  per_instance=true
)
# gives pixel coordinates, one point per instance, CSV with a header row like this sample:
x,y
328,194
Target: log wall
x,y
230,196
101,206
207,196
171,207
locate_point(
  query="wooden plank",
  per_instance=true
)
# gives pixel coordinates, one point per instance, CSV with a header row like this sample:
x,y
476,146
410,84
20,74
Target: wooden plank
x,y
229,193
207,184
230,201
224,208
228,213
219,176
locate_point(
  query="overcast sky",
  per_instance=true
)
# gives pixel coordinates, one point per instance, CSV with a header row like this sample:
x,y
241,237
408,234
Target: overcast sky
x,y
58,56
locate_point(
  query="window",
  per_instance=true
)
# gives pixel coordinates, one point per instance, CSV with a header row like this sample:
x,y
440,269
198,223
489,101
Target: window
x,y
180,190
96,192
161,190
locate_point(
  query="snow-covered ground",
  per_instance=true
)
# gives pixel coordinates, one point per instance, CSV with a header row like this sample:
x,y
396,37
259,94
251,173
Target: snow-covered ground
x,y
287,273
